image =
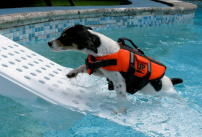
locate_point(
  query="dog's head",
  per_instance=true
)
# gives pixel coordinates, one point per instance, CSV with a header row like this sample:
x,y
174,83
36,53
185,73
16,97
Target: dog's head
x,y
76,37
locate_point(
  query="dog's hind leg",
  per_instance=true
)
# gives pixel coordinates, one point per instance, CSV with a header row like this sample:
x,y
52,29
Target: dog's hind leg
x,y
120,87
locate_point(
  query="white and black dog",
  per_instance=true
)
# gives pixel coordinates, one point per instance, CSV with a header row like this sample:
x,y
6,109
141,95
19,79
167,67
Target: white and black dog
x,y
84,39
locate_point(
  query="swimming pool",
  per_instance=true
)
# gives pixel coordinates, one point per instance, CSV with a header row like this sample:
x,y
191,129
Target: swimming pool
x,y
177,46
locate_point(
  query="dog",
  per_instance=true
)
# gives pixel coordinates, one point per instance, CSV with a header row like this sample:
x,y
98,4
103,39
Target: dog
x,y
83,39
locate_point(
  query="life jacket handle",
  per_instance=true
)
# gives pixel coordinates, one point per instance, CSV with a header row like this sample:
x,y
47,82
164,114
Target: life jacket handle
x,y
121,41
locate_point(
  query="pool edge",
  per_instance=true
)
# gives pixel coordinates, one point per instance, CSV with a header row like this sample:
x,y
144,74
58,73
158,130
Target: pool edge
x,y
21,19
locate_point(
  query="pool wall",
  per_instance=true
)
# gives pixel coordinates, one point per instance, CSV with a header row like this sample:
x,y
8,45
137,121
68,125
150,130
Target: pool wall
x,y
25,27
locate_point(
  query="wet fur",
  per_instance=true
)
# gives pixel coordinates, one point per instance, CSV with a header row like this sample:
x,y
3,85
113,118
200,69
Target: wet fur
x,y
84,39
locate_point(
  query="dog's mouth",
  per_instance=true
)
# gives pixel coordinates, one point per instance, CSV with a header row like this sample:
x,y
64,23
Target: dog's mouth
x,y
54,47
57,46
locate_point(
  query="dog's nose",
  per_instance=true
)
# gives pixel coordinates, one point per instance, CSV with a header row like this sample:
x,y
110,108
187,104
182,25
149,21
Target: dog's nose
x,y
50,43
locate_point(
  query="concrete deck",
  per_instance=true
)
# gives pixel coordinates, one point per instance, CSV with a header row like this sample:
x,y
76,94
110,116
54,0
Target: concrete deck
x,y
135,3
26,18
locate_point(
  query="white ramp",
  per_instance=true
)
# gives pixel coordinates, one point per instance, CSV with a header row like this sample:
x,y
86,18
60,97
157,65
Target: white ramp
x,y
24,73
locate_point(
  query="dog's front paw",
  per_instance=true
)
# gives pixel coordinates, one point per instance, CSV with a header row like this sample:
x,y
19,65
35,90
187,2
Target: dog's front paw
x,y
72,74
120,111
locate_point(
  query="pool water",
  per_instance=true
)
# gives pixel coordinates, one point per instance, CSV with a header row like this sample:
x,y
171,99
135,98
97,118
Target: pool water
x,y
178,46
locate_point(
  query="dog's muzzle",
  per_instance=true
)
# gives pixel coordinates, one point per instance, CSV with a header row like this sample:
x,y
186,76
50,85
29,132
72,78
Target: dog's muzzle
x,y
50,43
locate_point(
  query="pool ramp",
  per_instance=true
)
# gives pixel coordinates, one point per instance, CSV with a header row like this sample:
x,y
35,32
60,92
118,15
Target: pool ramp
x,y
26,74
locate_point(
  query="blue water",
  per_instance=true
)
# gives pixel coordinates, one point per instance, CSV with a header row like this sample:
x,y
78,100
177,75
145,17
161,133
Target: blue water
x,y
178,46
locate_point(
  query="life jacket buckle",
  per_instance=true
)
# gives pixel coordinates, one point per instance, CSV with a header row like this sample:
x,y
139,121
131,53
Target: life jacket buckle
x,y
92,65
99,64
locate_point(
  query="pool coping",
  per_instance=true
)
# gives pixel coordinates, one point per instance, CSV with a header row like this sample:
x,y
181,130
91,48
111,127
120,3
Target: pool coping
x,y
21,19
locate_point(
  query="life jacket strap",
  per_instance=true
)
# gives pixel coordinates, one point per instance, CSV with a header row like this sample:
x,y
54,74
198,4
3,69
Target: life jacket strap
x,y
121,42
91,64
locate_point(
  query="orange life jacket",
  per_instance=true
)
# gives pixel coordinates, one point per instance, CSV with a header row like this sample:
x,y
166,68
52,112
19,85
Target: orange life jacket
x,y
135,67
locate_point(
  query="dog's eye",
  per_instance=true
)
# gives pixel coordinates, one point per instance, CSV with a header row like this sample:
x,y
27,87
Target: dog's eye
x,y
64,40
64,34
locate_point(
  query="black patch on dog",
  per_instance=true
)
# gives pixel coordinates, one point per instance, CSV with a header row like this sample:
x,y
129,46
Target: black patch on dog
x,y
80,35
157,84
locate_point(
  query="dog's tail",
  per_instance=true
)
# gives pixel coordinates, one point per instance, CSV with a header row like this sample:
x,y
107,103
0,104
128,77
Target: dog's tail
x,y
176,81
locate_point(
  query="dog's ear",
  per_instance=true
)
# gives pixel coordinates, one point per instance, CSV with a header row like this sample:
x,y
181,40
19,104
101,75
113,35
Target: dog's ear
x,y
89,28
93,43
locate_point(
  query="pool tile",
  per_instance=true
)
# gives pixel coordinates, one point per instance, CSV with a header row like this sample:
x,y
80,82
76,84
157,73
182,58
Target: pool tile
x,y
54,28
